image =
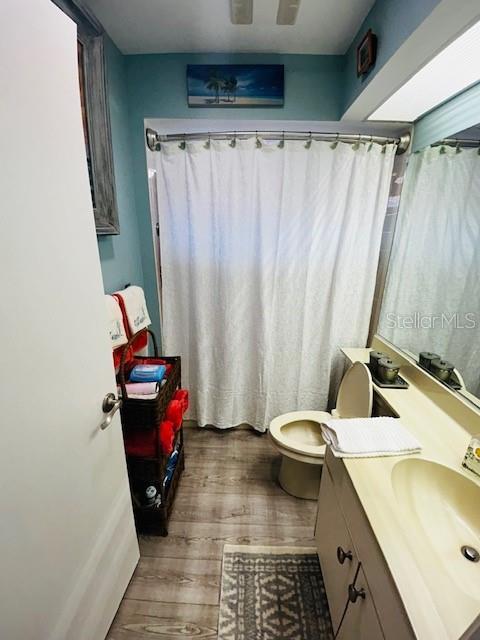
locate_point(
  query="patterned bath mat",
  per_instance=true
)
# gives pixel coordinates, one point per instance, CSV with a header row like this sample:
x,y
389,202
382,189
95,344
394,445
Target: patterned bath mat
x,y
272,593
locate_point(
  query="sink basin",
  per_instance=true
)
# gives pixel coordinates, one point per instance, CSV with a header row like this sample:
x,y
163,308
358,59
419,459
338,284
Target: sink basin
x,y
441,514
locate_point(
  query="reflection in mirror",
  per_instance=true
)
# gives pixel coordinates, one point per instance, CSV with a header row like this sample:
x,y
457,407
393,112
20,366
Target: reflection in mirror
x,y
431,303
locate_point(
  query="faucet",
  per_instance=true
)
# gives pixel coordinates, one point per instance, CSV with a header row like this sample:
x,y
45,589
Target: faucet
x,y
471,461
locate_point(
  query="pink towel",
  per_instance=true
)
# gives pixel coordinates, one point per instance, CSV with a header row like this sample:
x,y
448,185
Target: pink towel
x,y
135,389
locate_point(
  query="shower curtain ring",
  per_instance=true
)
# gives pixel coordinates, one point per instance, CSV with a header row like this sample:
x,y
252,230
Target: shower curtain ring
x,y
258,142
183,143
281,144
371,144
207,142
308,144
334,144
356,145
233,141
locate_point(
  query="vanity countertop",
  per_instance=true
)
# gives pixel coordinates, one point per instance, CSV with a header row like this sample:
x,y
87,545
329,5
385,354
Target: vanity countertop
x,y
440,601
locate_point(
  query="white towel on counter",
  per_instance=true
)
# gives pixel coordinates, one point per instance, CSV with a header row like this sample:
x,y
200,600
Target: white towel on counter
x,y
115,325
135,308
368,437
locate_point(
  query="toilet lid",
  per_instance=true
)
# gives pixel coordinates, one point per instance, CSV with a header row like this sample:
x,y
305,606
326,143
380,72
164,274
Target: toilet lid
x,y
299,431
355,396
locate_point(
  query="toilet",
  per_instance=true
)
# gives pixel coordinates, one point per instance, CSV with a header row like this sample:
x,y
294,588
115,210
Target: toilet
x,y
298,436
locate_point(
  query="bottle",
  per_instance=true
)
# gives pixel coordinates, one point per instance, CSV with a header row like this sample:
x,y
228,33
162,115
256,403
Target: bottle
x,y
150,494
472,457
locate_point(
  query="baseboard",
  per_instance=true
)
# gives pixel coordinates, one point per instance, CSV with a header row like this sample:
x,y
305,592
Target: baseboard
x,y
99,588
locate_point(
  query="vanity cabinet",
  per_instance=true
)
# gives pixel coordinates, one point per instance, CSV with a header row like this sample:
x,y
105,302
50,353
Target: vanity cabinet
x,y
353,567
341,570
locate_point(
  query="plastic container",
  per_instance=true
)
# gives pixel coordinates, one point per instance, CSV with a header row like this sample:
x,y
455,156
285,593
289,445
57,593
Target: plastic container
x,y
148,373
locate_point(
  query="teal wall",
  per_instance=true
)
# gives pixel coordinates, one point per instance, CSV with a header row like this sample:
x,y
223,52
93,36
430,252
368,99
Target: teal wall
x,y
457,114
120,255
156,87
313,86
393,21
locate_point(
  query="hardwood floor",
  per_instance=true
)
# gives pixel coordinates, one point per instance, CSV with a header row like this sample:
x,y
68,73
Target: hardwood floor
x,y
228,494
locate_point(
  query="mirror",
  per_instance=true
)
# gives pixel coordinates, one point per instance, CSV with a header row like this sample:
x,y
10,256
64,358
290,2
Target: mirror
x,y
431,301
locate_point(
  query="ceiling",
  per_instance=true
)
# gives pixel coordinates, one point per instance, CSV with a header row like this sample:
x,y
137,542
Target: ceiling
x,y
172,26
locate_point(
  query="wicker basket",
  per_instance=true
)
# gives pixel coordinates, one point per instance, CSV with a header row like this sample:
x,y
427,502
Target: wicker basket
x,y
147,414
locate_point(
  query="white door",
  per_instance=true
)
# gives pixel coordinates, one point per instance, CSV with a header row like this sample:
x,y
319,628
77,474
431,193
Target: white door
x,y
67,540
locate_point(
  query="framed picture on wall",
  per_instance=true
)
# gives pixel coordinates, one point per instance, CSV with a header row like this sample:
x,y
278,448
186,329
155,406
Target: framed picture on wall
x,y
366,53
95,116
235,85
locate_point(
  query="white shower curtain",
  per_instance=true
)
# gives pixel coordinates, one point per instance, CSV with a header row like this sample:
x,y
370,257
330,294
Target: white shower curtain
x,y
269,257
434,268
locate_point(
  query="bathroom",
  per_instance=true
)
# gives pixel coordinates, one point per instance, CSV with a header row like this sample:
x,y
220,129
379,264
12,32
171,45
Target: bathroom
x,y
273,431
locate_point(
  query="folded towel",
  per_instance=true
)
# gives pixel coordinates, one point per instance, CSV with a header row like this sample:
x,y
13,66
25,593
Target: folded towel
x,y
141,396
142,443
368,437
116,329
149,360
174,413
135,308
142,390
182,396
117,357
140,342
166,437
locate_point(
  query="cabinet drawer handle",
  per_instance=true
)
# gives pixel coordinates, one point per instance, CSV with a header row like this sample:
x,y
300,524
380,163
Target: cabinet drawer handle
x,y
354,593
343,555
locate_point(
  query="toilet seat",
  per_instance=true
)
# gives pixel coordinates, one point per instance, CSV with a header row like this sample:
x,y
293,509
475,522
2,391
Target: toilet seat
x,y
297,435
300,432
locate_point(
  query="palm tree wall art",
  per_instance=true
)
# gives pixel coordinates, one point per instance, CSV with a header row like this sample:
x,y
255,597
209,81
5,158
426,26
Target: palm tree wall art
x,y
215,84
235,85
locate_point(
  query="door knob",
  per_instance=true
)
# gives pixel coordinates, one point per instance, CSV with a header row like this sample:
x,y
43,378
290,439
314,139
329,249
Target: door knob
x,y
354,593
110,406
343,555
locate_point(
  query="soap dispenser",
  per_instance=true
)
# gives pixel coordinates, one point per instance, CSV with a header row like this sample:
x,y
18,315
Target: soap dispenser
x,y
471,460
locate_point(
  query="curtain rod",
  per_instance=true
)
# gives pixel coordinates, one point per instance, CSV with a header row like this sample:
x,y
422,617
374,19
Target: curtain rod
x,y
453,142
154,139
